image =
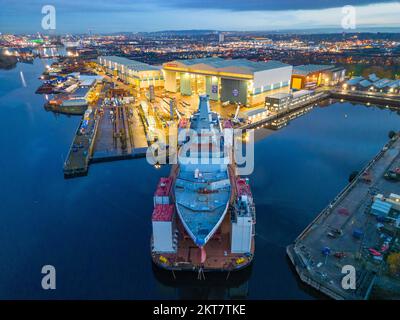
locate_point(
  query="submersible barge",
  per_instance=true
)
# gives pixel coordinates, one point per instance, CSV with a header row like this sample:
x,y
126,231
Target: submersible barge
x,y
204,214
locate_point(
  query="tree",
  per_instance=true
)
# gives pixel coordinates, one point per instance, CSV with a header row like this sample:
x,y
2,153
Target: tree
x,y
353,175
393,261
391,134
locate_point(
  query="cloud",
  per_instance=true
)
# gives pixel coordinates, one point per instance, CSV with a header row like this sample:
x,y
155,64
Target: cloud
x,y
153,15
107,6
269,5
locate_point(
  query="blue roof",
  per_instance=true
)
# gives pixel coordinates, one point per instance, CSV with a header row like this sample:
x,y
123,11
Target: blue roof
x,y
354,81
130,64
365,83
381,206
251,66
394,84
311,68
382,83
373,77
80,92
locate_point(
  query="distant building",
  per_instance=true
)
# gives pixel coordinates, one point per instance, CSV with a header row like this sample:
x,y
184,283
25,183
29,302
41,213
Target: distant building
x,y
80,93
139,74
280,102
380,85
221,37
393,87
364,85
372,77
255,115
353,83
310,76
238,80
373,83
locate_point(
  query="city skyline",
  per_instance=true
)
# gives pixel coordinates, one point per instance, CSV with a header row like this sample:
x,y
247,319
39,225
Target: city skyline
x,y
147,16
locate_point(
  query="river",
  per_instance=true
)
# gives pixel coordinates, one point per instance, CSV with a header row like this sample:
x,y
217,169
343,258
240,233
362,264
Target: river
x,y
96,230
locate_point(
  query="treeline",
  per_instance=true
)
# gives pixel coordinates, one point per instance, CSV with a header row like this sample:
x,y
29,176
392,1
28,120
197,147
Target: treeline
x,y
392,72
7,62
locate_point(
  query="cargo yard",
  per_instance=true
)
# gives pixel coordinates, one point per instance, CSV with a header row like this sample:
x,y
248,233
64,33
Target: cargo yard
x,y
360,228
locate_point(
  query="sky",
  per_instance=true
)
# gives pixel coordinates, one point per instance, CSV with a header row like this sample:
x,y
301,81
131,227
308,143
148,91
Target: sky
x,y
107,16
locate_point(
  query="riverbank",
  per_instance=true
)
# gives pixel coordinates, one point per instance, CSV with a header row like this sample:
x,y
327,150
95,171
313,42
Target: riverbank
x,y
347,233
94,229
7,62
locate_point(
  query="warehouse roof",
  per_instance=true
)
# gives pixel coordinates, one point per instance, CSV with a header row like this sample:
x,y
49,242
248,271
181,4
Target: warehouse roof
x,y
255,112
131,64
80,92
373,77
306,69
394,84
381,206
221,64
355,80
365,83
382,83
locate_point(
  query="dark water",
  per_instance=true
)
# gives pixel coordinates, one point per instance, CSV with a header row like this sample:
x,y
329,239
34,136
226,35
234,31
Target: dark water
x,y
96,230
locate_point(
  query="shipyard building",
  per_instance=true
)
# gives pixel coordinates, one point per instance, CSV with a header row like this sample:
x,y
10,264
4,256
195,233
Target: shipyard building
x,y
374,84
238,80
310,76
139,74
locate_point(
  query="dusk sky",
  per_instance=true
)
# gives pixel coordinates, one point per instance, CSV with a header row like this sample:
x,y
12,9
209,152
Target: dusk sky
x,y
100,16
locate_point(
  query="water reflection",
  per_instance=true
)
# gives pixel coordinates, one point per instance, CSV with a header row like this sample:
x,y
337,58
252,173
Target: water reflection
x,y
217,285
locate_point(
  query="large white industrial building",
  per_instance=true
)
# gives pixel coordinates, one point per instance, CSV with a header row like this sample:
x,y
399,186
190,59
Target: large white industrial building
x,y
237,80
139,74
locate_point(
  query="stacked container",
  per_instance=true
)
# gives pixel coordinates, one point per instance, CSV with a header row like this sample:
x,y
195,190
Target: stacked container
x,y
163,218
243,217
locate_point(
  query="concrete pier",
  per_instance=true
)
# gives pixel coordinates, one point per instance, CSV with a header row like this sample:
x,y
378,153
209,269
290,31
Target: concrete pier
x,y
81,149
334,228
367,97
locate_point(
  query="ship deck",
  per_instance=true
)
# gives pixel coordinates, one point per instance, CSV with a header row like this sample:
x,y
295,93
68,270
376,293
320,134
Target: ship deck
x,y
217,248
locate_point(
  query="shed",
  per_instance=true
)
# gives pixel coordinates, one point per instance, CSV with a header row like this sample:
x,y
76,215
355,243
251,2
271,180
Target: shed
x,y
380,208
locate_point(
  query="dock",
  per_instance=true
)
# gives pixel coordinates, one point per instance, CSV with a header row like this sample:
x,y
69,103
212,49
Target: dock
x,y
113,133
81,149
366,97
291,113
120,133
329,242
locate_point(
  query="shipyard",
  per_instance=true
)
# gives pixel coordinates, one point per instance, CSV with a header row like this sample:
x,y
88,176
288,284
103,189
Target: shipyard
x,y
134,102
191,151
129,110
133,105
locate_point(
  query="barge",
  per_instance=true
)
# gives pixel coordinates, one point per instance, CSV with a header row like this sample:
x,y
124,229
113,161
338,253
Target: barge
x,y
204,214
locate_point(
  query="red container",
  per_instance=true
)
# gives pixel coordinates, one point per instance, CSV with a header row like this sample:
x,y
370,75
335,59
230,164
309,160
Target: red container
x,y
163,212
164,187
242,188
